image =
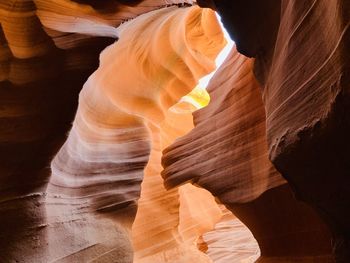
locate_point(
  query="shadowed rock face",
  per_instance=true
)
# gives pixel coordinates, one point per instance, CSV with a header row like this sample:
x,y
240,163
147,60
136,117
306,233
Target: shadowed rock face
x,y
227,154
39,86
252,24
306,96
307,106
48,48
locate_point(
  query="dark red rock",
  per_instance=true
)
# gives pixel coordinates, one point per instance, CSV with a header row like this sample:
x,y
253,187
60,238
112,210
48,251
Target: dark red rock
x,y
226,153
306,96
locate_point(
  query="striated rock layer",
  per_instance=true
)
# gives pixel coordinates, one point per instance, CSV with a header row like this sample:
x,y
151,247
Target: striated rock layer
x,y
302,51
49,47
88,207
227,154
39,85
97,174
307,106
231,241
168,223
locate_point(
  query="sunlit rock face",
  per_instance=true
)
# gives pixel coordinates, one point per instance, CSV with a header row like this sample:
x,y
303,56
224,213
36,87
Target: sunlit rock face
x,y
48,48
227,154
183,214
227,151
96,175
105,200
231,241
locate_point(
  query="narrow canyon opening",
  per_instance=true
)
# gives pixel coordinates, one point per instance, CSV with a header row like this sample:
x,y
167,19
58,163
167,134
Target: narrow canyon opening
x,y
230,240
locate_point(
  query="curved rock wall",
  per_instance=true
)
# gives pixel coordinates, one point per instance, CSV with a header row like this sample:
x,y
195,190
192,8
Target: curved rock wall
x,y
168,223
126,118
45,58
226,152
306,98
97,174
39,85
302,61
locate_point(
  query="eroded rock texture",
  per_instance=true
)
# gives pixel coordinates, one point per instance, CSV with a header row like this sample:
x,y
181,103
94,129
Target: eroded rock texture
x,y
38,95
231,241
307,106
48,49
227,151
126,118
182,215
302,50
227,154
97,173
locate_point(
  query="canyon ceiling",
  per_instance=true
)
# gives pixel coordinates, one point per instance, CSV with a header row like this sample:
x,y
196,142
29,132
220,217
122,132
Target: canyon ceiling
x,y
110,151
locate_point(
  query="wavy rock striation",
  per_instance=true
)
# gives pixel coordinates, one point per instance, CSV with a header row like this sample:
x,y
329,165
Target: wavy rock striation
x,y
307,105
302,52
231,241
297,117
45,57
183,214
227,154
39,85
97,174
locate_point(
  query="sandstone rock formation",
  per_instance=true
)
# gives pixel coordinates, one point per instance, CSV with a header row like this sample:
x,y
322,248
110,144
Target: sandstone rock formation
x,y
75,218
168,223
307,107
229,157
103,198
38,95
231,241
302,51
96,176
227,151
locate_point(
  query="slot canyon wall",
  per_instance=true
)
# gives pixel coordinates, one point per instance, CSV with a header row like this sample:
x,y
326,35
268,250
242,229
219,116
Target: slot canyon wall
x,y
103,159
302,62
